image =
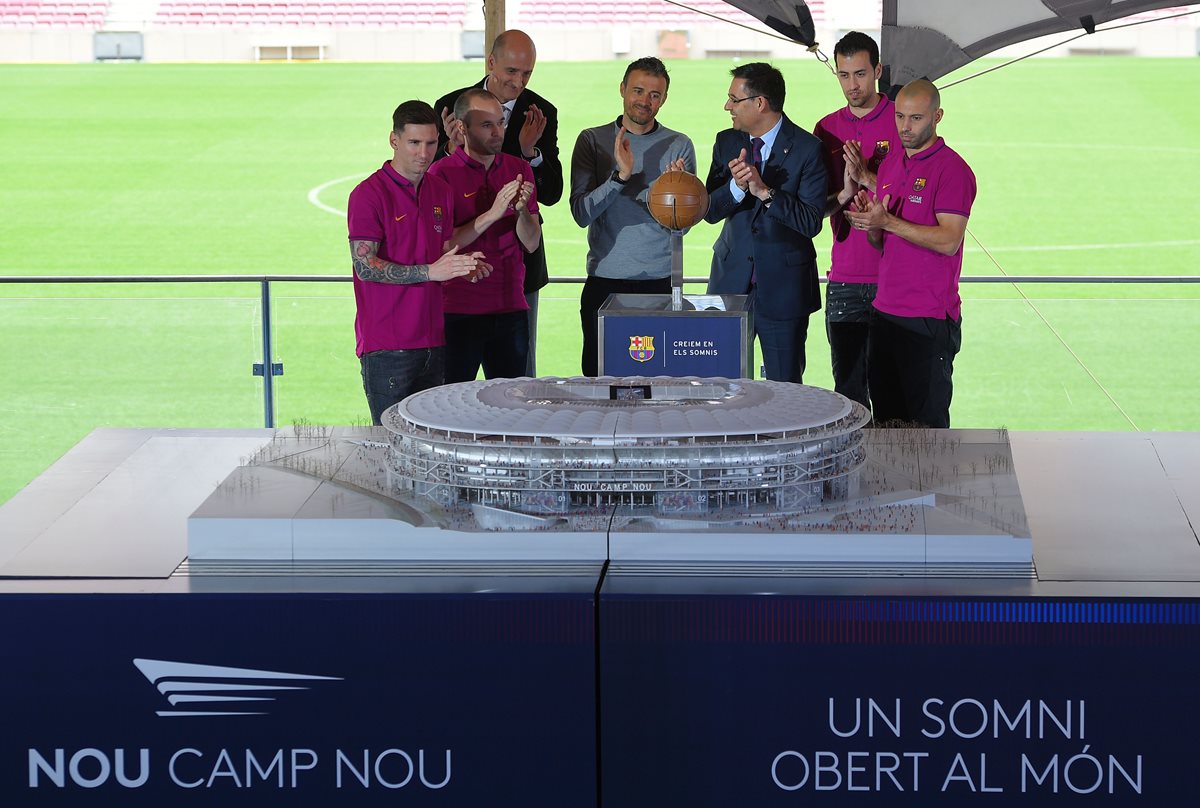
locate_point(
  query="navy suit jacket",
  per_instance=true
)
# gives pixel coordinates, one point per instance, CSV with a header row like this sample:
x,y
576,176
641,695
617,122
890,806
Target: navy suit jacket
x,y
547,177
772,243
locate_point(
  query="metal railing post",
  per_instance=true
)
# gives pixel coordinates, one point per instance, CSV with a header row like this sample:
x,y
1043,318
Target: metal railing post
x,y
268,368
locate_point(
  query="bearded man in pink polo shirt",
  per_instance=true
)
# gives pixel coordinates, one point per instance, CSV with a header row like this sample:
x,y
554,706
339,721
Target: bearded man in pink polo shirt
x,y
400,225
855,140
495,211
917,217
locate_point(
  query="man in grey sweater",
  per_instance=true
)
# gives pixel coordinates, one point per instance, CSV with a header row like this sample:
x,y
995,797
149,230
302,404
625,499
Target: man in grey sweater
x,y
612,169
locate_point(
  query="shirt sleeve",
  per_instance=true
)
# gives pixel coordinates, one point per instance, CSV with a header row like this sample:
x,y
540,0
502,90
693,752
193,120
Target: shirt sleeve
x,y
956,191
363,216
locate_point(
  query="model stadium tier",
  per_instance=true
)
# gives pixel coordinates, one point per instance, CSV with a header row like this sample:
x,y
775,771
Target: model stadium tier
x,y
37,14
309,13
662,445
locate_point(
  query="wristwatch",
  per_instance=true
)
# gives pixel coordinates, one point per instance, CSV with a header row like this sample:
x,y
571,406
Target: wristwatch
x,y
616,177
770,196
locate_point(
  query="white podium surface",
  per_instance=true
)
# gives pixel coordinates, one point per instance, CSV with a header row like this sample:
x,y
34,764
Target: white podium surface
x,y
1105,508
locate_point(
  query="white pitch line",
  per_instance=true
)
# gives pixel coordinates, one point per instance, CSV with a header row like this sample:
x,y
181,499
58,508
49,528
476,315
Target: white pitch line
x,y
1121,147
1128,245
315,193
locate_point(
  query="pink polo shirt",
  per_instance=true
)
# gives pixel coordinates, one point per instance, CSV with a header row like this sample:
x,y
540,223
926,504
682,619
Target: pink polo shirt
x,y
410,224
915,281
474,189
853,259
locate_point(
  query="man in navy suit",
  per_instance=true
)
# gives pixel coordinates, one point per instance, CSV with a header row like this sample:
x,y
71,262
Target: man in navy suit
x,y
767,183
531,133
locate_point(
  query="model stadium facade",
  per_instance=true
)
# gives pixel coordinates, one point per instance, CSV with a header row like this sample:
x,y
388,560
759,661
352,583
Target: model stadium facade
x,y
658,445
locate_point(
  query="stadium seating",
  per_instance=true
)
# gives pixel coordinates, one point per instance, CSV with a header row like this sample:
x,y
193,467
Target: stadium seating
x,y
624,12
88,14
313,13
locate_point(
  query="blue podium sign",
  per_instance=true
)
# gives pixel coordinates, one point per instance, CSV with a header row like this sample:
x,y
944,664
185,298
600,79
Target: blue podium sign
x,y
318,700
785,701
641,336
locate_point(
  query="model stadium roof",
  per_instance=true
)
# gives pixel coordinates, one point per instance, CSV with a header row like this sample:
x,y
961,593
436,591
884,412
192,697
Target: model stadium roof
x,y
582,408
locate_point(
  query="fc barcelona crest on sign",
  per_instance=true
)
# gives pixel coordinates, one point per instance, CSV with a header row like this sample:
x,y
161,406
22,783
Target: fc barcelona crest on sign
x,y
641,349
919,183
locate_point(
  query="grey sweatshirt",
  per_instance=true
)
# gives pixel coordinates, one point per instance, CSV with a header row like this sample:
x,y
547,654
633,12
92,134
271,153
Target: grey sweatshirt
x,y
624,241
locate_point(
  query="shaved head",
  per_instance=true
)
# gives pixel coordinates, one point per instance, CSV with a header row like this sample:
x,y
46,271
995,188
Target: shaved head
x,y
514,41
918,112
921,90
510,64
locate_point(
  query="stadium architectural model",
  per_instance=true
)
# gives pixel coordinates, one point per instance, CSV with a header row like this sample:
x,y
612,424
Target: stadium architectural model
x,y
706,447
625,469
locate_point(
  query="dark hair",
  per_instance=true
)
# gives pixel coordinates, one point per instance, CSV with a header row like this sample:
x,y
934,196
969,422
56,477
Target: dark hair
x,y
856,42
762,79
648,64
417,113
463,105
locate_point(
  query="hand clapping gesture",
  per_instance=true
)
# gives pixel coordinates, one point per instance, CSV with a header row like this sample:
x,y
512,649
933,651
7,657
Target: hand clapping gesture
x,y
531,131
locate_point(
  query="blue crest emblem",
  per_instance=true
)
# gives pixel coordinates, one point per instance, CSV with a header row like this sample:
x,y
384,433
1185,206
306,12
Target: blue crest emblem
x,y
641,349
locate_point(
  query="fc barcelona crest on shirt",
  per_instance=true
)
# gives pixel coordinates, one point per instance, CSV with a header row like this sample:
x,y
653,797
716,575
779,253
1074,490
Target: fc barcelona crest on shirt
x,y
882,147
918,183
437,218
641,349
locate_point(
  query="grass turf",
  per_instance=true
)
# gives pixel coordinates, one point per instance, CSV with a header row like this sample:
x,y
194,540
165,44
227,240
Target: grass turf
x,y
1086,166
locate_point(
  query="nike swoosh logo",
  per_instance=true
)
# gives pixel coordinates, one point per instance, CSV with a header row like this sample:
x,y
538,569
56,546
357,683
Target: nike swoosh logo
x,y
401,216
887,185
468,196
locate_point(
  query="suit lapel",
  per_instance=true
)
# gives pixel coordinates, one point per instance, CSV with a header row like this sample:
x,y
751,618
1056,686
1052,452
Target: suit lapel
x,y
779,150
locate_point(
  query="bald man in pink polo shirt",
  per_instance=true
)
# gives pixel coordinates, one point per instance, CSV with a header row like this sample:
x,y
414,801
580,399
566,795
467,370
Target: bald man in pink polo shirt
x,y
855,140
400,223
917,217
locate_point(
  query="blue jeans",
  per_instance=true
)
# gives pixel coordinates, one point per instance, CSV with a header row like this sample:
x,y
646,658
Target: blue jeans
x,y
498,342
848,313
392,376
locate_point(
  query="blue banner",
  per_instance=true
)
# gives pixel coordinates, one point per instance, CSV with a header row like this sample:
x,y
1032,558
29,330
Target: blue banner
x,y
298,700
785,701
650,345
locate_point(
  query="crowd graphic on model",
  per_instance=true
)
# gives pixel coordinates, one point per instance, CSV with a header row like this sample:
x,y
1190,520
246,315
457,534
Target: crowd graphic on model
x,y
448,256
907,475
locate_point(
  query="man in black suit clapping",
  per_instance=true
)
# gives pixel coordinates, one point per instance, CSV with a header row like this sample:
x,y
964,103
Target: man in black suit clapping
x,y
767,183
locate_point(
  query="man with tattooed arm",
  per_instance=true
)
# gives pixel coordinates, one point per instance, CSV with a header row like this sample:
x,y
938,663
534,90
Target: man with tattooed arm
x,y
400,225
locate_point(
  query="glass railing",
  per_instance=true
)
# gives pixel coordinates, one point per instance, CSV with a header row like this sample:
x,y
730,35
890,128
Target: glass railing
x,y
1053,353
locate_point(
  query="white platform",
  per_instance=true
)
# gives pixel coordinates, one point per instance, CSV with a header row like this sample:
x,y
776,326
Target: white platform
x,y
1101,508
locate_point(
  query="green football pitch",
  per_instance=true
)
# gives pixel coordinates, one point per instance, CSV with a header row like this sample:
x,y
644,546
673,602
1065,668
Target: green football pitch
x,y
1085,166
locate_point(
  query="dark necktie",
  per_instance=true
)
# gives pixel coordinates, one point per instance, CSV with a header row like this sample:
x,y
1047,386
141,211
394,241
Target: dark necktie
x,y
756,156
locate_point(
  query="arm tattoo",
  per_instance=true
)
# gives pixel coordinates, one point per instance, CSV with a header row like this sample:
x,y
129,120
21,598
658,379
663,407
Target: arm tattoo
x,y
370,267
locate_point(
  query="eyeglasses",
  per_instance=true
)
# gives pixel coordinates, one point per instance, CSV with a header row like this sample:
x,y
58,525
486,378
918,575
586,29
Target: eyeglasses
x,y
733,100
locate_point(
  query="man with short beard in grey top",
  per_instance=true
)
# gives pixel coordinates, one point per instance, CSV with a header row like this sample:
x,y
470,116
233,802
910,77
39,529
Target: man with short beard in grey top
x,y
612,168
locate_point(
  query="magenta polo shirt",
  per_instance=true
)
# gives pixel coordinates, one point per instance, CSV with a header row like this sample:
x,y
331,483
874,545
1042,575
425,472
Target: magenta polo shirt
x,y
411,224
853,258
475,189
915,281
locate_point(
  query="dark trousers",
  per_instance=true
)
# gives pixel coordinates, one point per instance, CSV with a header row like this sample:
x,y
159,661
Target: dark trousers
x,y
910,364
595,291
497,342
848,314
392,376
782,346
